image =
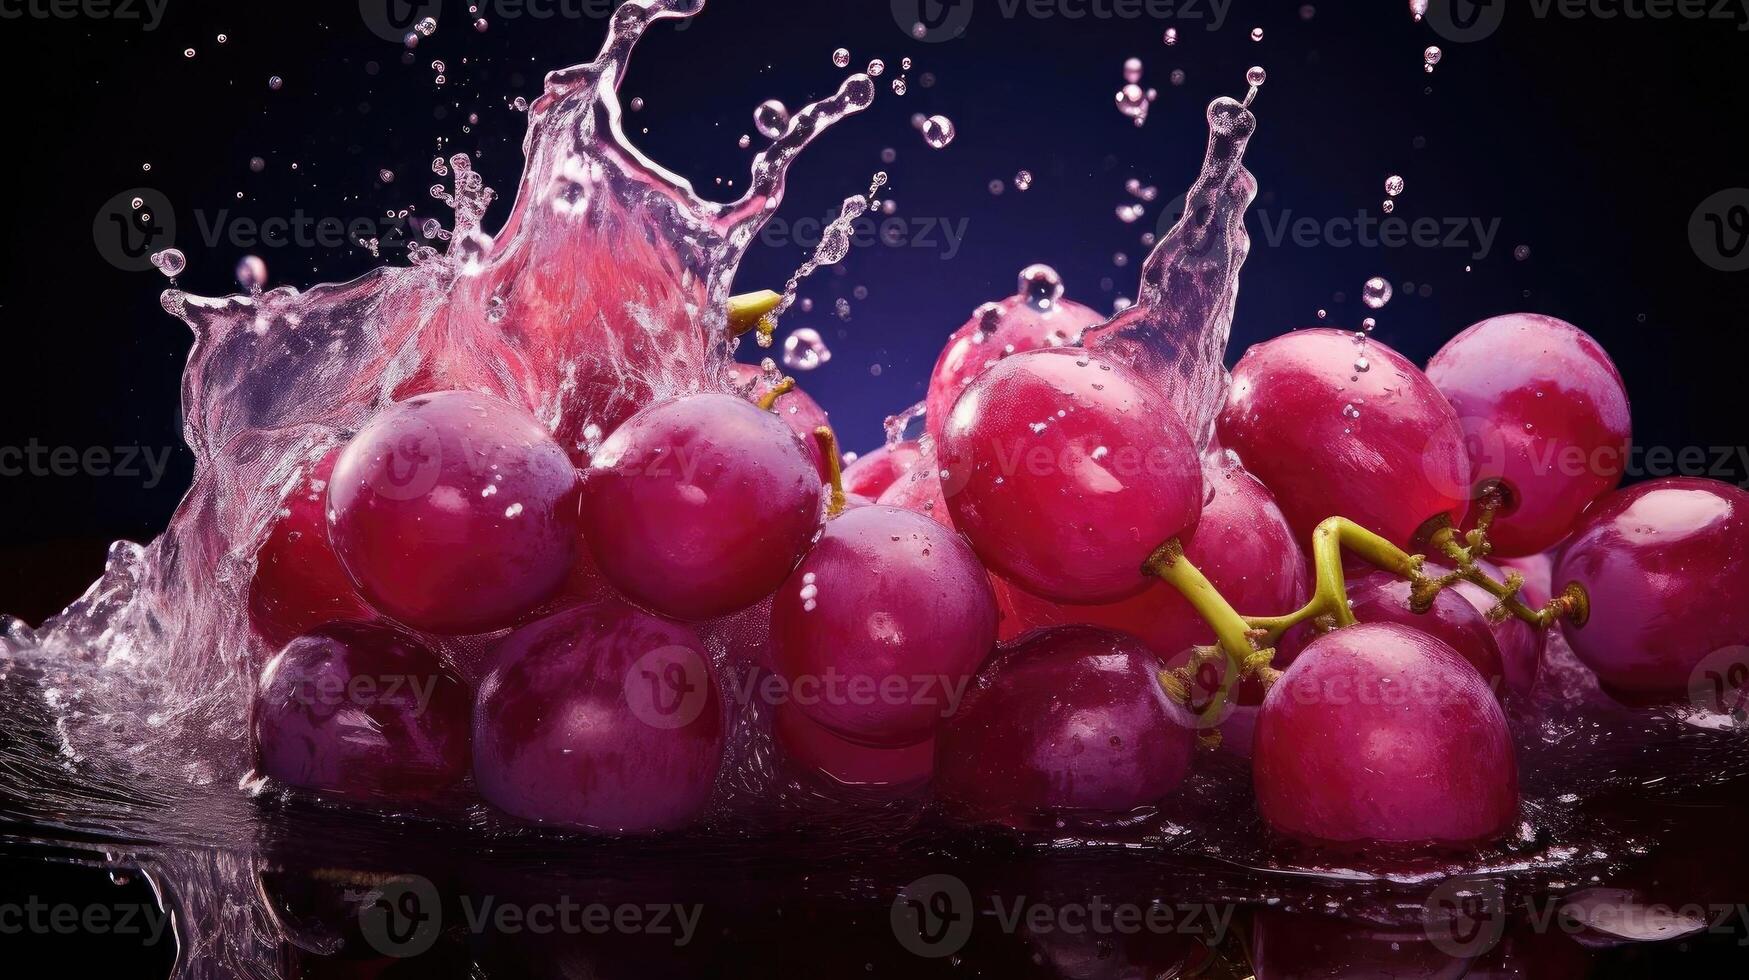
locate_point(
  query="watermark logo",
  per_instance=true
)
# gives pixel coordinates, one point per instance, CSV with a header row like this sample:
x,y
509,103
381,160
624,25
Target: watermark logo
x,y
402,916
1464,21
393,20
412,462
932,916
1719,685
1465,917
133,225
1719,230
668,688
932,21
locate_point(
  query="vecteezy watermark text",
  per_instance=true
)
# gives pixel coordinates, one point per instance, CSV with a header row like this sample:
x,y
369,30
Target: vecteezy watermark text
x,y
149,13
393,20
127,462
1463,21
945,235
37,917
944,20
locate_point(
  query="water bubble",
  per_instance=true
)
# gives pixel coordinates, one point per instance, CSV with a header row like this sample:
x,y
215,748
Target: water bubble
x,y
803,350
1171,36
1418,9
275,83
1133,102
251,273
171,262
1177,76
222,38
1129,214
1132,70
1307,11
138,203
1041,285
519,104
875,67
918,31
1362,365
841,57
1521,252
1023,180
771,118
1431,56
637,103
188,52
905,63
1255,76
431,228
899,86
1388,205
1368,324
256,164
426,27
386,175
1256,33
1376,293
938,131
841,307
1393,185
480,25
744,142
997,187
411,40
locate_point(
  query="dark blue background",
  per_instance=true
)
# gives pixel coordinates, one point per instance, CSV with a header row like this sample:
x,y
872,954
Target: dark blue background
x,y
1592,141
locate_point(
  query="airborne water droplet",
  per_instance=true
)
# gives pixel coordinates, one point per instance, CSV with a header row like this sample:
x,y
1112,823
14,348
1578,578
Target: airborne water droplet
x,y
876,67
1376,292
938,131
771,118
841,57
1023,180
1393,185
1132,70
171,262
804,350
251,273
1041,285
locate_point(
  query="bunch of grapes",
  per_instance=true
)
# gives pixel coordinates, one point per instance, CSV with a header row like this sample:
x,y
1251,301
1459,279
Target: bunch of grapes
x,y
1029,613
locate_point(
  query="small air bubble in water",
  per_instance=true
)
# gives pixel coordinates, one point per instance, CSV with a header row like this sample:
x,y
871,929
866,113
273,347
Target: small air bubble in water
x,y
222,38
1393,185
256,164
876,67
899,86
744,142
637,103
1256,33
1521,253
1132,70
1171,36
770,118
1041,285
1431,56
426,27
997,187
480,25
1133,102
1023,180
1255,76
275,83
1368,324
1376,292
1177,76
841,57
938,131
251,273
171,262
1388,205
386,175
803,350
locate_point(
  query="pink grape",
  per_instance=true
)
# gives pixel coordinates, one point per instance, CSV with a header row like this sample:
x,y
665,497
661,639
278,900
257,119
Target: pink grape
x,y
882,625
1339,427
1544,413
872,474
815,749
919,490
361,710
1521,644
454,512
602,717
996,330
802,414
1666,566
699,506
1067,722
1384,598
298,583
1381,734
1241,542
1066,471
1538,571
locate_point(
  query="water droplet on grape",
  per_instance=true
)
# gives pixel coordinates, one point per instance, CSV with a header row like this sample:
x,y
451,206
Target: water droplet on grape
x,y
1041,285
1376,293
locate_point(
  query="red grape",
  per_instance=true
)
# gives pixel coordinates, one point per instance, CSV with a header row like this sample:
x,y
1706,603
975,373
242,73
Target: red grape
x,y
602,717
1538,571
1544,413
881,626
1028,320
919,489
1379,733
816,749
1384,598
454,512
1337,426
1666,566
801,413
361,710
1521,644
1067,471
1242,543
872,474
298,583
699,506
1069,721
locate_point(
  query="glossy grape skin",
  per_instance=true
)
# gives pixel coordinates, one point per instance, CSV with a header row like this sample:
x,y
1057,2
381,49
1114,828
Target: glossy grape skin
x,y
454,512
816,750
699,506
298,584
1241,543
1538,571
919,489
1379,734
1384,598
361,710
1066,722
890,599
1396,466
1545,412
873,473
997,330
601,717
1067,471
801,413
1666,565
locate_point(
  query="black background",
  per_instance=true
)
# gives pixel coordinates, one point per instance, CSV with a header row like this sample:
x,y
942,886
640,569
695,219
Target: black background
x,y
1592,140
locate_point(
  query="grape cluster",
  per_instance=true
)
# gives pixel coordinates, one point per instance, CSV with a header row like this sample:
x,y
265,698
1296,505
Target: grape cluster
x,y
1030,609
